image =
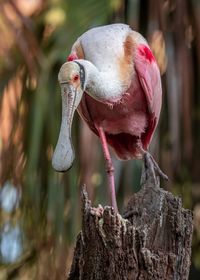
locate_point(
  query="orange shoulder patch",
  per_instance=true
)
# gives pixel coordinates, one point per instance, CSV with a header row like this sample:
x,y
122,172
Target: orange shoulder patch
x,y
129,47
126,68
79,50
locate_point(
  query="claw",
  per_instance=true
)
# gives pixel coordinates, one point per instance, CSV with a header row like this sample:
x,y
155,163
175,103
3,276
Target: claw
x,y
151,168
158,170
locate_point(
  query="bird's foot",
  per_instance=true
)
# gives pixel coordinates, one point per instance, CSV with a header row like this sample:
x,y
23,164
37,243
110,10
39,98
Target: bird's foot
x,y
152,170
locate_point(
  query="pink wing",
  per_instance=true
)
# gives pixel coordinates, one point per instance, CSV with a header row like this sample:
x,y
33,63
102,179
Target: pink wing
x,y
149,77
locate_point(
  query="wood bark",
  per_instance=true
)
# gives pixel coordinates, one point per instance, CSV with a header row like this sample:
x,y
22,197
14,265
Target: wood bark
x,y
151,240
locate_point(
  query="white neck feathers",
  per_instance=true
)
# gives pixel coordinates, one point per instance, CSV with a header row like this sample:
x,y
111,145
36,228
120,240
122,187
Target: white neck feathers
x,y
104,86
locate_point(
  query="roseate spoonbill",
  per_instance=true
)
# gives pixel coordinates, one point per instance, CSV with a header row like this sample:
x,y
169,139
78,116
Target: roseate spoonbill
x,y
112,79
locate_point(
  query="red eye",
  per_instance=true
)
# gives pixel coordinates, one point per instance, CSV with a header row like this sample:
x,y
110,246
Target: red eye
x,y
75,78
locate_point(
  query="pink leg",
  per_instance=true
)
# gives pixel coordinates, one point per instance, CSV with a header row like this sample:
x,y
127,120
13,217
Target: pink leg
x,y
109,169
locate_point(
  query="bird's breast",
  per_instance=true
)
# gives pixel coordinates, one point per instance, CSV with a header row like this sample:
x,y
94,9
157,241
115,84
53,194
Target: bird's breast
x,y
127,116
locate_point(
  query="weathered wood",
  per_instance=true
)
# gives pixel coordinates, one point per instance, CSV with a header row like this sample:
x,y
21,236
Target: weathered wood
x,y
151,240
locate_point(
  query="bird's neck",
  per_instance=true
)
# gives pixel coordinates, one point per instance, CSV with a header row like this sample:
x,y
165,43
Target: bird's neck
x,y
104,86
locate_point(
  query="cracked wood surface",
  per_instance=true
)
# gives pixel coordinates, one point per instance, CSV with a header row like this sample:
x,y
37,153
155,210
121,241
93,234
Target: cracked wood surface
x,y
151,240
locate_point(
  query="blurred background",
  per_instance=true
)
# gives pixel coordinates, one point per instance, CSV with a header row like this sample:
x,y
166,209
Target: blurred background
x,y
40,211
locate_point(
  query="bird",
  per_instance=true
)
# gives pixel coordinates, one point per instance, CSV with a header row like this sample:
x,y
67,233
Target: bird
x,y
112,78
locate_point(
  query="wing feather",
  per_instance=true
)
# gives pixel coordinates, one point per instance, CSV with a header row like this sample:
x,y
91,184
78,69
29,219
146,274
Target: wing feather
x,y
149,76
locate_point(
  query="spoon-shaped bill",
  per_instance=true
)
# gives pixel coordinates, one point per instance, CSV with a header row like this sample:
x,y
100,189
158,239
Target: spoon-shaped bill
x,y
63,156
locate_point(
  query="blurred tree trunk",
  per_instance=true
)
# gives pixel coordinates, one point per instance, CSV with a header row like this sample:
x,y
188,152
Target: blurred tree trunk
x,y
152,240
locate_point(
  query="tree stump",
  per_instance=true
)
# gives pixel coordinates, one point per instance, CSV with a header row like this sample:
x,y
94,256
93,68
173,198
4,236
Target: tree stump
x,y
151,240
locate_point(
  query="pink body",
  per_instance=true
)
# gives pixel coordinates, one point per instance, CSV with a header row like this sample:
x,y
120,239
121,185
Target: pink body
x,y
128,123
